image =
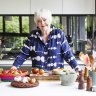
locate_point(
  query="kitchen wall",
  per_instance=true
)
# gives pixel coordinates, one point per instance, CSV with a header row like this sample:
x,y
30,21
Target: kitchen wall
x,y
56,6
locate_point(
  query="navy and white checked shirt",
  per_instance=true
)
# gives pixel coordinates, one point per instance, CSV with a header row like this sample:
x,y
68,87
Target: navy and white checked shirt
x,y
49,55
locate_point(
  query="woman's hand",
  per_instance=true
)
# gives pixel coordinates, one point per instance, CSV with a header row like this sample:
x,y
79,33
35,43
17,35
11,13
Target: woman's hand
x,y
13,68
77,69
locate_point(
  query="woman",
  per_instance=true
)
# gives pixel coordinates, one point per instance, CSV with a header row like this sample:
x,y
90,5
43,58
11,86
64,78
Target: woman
x,y
47,46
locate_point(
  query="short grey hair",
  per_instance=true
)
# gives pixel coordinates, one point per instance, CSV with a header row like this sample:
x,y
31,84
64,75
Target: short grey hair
x,y
43,13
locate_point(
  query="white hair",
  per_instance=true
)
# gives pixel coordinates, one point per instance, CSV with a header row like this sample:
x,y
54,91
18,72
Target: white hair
x,y
43,13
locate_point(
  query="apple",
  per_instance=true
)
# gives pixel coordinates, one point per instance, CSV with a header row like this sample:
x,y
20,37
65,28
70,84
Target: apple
x,y
41,71
35,70
11,71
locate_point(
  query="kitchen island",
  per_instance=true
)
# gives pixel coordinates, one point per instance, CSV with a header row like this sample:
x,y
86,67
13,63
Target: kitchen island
x,y
45,88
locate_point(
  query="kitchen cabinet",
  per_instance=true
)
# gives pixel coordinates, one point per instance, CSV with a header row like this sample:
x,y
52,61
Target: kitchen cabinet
x,y
57,6
78,7
15,7
54,6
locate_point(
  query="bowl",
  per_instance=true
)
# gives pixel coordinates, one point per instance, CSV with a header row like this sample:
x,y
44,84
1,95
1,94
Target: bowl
x,y
8,75
68,78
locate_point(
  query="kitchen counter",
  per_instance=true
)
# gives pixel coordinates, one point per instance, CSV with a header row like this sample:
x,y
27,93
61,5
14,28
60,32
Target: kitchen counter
x,y
6,64
10,62
45,88
27,62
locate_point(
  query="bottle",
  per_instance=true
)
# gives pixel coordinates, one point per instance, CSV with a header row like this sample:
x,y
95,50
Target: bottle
x,y
81,80
85,73
89,84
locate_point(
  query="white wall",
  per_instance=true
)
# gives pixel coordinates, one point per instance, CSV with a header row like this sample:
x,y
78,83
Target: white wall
x,y
56,6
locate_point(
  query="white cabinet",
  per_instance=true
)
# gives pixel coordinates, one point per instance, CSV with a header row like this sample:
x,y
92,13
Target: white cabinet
x,y
14,6
78,7
55,6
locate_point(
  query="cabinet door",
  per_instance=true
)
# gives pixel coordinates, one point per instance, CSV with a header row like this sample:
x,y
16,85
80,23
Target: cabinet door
x,y
15,7
55,6
78,6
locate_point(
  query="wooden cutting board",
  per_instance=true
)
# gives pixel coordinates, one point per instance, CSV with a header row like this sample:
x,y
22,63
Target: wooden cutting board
x,y
45,76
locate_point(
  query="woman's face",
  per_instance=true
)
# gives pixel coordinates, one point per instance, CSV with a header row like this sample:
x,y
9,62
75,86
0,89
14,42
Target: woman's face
x,y
43,24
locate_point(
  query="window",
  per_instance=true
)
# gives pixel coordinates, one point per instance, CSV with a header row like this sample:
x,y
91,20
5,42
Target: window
x,y
12,26
14,30
11,46
25,23
1,24
13,33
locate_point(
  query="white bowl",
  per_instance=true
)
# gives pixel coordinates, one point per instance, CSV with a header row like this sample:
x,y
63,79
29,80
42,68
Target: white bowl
x,y
68,78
